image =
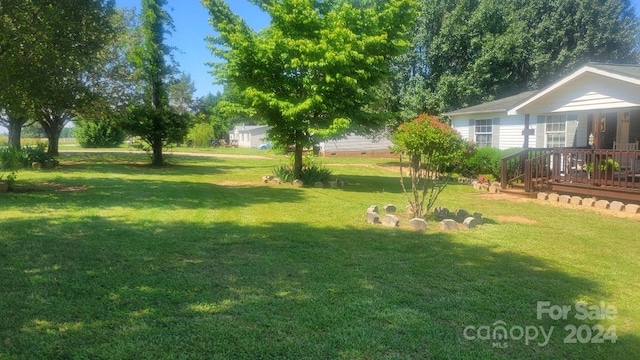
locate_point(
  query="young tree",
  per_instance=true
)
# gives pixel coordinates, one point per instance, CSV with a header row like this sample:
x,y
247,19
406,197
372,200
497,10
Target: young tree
x,y
433,149
311,73
154,120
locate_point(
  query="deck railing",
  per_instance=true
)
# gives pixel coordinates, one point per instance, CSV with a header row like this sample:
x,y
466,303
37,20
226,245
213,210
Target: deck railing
x,y
618,169
513,168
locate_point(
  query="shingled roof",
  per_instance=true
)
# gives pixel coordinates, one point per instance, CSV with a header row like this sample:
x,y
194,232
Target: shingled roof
x,y
500,105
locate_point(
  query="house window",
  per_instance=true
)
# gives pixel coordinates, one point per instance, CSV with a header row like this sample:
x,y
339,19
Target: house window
x,y
556,130
484,132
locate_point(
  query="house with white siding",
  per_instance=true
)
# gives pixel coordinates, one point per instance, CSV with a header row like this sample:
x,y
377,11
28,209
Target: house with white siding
x,y
354,145
578,124
248,136
597,99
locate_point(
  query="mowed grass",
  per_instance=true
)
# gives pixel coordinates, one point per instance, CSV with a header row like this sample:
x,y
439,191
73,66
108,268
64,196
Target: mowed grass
x,y
108,258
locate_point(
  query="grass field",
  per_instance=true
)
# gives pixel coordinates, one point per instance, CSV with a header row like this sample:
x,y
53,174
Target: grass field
x,y
107,258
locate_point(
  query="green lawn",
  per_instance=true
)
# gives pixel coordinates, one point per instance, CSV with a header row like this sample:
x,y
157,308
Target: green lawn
x,y
106,257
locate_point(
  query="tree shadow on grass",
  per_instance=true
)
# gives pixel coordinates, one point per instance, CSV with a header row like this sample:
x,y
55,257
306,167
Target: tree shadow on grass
x,y
149,194
135,164
96,288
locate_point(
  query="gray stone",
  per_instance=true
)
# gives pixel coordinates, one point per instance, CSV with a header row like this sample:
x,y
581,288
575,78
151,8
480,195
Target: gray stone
x,y
602,204
494,189
267,178
389,209
553,197
564,199
372,217
616,206
333,184
319,184
477,186
461,214
373,208
462,180
441,212
479,218
470,223
496,184
298,183
543,196
448,224
341,183
485,187
588,202
576,200
390,221
632,208
276,181
36,165
418,224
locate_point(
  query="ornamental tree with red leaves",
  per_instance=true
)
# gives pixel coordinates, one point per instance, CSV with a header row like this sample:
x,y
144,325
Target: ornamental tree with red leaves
x,y
434,150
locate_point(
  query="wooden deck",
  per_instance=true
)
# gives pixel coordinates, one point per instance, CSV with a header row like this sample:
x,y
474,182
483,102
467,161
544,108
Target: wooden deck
x,y
611,174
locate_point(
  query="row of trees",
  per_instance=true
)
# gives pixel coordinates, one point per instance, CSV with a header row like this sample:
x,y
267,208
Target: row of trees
x,y
86,60
323,68
470,51
319,70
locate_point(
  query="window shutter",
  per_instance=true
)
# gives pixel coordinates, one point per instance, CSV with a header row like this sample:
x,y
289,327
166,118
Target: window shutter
x,y
472,130
571,126
495,130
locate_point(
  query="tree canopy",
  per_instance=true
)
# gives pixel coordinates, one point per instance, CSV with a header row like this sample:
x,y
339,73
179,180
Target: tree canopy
x,y
45,48
153,119
470,51
314,69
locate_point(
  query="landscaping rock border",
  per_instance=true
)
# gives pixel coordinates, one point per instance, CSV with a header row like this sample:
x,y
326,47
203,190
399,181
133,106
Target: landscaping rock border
x,y
614,206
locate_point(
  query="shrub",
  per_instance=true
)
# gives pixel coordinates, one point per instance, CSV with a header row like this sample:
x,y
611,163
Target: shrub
x,y
483,161
96,134
311,173
36,154
201,134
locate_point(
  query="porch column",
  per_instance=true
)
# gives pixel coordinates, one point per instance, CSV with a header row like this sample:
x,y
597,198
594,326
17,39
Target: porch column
x,y
526,131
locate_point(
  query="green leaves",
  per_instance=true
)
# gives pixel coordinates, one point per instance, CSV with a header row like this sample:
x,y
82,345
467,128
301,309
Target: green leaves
x,y
314,69
433,149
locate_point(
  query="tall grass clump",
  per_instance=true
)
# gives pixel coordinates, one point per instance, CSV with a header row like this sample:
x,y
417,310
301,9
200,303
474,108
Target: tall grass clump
x,y
312,172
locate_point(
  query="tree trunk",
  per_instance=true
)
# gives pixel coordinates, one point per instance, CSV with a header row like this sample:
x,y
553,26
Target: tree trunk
x,y
15,131
297,161
54,140
157,158
52,124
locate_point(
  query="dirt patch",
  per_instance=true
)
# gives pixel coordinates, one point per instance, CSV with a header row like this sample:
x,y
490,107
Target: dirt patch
x,y
48,186
504,196
73,188
239,183
516,219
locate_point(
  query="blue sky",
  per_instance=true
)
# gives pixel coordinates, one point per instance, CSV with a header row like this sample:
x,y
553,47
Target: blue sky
x,y
191,21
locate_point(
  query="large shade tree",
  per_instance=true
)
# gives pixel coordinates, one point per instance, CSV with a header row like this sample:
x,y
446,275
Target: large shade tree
x,y
45,48
469,51
314,69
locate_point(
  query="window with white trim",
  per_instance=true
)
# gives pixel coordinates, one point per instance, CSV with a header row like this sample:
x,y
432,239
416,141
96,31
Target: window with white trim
x,y
556,130
483,132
